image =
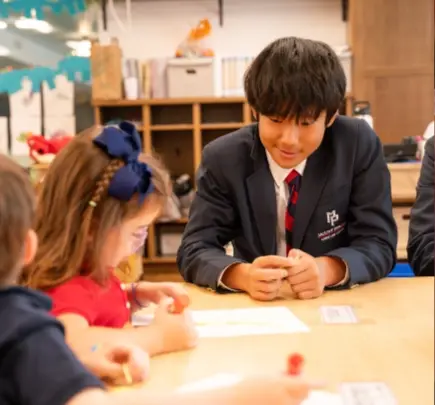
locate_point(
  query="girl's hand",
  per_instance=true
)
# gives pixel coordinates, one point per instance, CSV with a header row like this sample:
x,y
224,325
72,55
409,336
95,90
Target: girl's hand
x,y
156,292
176,330
119,364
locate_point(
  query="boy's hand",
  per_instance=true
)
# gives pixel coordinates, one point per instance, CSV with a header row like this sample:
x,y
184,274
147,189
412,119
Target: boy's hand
x,y
119,364
305,277
262,279
176,330
156,292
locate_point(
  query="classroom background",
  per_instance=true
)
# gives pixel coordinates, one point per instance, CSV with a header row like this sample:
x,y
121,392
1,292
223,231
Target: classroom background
x,y
175,68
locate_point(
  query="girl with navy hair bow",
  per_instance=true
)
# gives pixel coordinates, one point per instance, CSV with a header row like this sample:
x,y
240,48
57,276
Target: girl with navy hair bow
x,y
95,205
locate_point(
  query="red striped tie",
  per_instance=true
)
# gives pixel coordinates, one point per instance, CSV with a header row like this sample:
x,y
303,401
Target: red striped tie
x,y
293,181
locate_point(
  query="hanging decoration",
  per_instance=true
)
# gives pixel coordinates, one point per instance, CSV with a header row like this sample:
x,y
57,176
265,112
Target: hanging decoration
x,y
35,8
75,68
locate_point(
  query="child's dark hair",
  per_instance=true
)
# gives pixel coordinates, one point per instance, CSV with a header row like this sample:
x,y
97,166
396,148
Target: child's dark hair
x,y
65,218
296,78
17,207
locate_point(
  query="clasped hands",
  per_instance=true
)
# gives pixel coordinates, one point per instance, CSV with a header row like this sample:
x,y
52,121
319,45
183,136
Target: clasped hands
x,y
301,271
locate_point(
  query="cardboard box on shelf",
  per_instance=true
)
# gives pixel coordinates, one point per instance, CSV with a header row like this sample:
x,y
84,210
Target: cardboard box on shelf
x,y
106,65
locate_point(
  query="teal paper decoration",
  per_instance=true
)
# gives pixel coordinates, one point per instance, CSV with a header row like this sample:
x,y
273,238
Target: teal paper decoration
x,y
75,68
25,7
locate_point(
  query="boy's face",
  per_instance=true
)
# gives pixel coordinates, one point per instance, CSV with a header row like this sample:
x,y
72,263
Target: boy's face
x,y
290,143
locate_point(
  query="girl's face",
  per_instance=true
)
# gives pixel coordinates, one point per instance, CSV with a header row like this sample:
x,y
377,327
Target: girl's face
x,y
130,236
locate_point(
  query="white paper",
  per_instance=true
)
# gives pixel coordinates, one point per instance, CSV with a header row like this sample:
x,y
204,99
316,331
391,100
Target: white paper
x,y
223,380
240,322
24,103
59,101
54,124
367,393
338,314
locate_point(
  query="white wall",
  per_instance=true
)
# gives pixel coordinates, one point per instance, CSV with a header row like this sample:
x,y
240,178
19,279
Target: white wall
x,y
158,26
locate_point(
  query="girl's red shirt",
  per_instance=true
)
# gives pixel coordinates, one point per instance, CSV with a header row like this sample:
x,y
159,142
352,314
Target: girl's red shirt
x,y
104,306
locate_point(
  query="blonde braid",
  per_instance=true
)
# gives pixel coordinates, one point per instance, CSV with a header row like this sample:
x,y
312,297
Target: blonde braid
x,y
103,183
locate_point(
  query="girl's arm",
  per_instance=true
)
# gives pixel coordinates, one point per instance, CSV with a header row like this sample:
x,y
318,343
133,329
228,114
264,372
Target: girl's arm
x,y
168,332
81,337
276,390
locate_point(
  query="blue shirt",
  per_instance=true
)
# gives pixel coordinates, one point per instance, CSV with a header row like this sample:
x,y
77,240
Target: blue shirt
x,y
36,365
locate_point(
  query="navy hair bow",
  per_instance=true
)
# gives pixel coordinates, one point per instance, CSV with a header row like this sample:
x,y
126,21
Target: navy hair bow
x,y
124,143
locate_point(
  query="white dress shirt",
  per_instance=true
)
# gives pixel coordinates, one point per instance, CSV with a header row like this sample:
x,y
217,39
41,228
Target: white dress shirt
x,y
279,175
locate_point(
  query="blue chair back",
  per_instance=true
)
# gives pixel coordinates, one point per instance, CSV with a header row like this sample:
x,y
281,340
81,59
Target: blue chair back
x,y
402,270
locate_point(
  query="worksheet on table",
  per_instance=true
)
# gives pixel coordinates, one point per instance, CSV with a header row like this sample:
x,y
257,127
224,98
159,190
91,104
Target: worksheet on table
x,y
240,322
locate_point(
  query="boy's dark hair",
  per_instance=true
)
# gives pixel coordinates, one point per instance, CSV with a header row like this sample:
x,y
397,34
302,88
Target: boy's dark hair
x,y
17,207
296,78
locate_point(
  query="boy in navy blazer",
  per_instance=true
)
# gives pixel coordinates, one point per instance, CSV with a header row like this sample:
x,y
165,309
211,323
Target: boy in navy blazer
x,y
303,195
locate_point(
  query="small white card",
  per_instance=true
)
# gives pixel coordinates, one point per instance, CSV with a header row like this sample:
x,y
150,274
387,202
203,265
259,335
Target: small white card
x,y
367,393
338,314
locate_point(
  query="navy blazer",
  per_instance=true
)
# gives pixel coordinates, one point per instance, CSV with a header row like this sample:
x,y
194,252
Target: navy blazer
x,y
421,227
344,207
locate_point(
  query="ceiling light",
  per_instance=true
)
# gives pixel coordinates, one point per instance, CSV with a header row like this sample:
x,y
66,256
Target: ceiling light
x,y
4,51
33,24
3,25
80,48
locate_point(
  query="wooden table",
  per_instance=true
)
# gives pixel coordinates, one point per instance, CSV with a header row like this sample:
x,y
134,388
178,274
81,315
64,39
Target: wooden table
x,y
393,342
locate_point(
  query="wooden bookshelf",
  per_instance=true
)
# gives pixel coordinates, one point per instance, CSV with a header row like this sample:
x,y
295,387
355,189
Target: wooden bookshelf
x,y
177,129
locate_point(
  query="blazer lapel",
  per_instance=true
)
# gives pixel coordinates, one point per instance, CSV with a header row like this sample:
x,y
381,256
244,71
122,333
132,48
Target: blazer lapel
x,y
313,182
261,193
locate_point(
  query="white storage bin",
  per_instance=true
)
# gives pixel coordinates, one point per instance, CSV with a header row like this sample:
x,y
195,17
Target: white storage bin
x,y
190,77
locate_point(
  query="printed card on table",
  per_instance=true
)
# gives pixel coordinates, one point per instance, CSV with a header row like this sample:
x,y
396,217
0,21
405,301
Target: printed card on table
x,y
338,314
367,393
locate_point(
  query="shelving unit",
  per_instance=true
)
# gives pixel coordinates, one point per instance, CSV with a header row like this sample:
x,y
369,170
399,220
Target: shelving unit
x,y
177,130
